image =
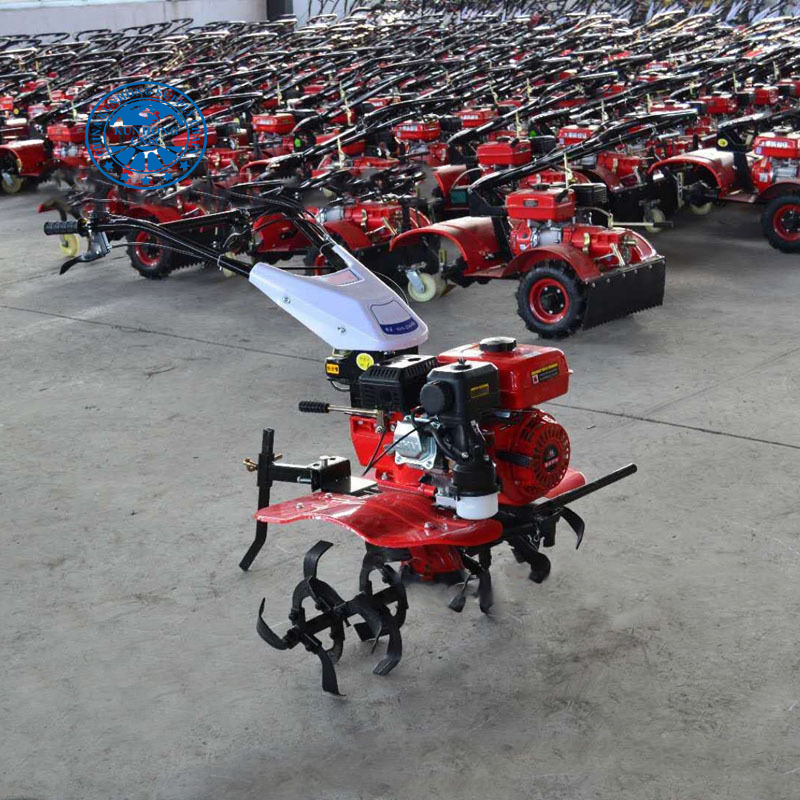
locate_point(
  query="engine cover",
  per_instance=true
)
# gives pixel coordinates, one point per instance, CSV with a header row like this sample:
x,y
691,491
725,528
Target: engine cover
x,y
531,457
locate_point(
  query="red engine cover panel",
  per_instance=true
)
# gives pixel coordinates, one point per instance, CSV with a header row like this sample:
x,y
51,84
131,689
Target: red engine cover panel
x,y
418,131
765,95
475,117
621,164
73,134
531,455
528,374
719,103
785,145
281,123
573,134
550,203
504,153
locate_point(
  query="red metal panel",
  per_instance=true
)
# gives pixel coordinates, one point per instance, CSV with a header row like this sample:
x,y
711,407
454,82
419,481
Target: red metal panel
x,y
528,375
572,480
447,175
584,266
388,519
474,237
717,164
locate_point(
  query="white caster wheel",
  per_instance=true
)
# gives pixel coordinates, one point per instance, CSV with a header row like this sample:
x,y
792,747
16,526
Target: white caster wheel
x,y
70,245
434,286
11,183
701,209
653,217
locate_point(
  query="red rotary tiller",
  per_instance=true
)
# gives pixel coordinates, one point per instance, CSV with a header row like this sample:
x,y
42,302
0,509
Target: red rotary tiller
x,y
755,160
458,460
572,272
457,456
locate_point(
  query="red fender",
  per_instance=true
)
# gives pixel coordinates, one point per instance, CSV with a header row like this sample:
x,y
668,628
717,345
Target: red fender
x,y
277,233
447,175
642,247
352,235
474,237
388,519
777,189
584,266
31,154
718,165
604,175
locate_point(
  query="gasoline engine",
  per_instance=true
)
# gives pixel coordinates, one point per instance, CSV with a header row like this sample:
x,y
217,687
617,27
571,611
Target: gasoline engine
x,y
421,139
542,215
778,157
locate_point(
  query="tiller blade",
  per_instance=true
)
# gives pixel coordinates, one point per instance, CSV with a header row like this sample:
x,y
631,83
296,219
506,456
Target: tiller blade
x,y
373,608
525,529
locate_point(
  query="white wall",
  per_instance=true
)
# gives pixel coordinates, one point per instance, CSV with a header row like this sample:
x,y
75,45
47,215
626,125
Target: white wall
x,y
80,15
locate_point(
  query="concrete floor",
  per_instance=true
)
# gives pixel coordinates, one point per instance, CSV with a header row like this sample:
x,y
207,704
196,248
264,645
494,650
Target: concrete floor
x,y
658,662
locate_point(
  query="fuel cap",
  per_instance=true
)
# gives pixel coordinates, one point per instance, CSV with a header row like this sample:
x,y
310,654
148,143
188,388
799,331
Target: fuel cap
x,y
498,344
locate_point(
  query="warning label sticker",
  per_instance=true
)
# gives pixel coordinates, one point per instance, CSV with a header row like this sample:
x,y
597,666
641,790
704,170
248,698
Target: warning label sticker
x,y
545,373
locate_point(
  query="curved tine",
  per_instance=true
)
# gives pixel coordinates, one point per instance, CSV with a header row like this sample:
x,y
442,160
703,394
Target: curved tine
x,y
329,682
323,594
337,637
394,648
394,579
367,610
312,557
266,633
575,522
372,560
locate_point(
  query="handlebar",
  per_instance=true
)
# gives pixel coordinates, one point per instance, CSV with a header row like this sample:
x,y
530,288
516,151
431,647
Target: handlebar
x,y
313,407
61,227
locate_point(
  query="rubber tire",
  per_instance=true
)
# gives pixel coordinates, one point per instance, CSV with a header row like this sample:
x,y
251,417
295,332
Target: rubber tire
x,y
768,226
70,245
154,272
434,287
562,272
702,209
654,214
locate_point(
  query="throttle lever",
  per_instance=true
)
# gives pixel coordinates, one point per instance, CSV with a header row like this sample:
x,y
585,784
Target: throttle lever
x,y
318,407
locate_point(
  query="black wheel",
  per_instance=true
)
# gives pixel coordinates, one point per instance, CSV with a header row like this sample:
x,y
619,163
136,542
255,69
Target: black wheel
x,y
780,222
550,300
148,255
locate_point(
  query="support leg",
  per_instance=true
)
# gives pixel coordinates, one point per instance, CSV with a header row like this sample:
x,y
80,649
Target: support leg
x,y
265,459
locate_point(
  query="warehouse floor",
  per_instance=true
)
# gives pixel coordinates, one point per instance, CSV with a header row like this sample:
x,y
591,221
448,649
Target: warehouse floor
x,y
658,661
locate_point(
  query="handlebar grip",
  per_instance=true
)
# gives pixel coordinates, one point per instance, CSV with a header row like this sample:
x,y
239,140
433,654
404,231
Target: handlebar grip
x,y
60,228
313,407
